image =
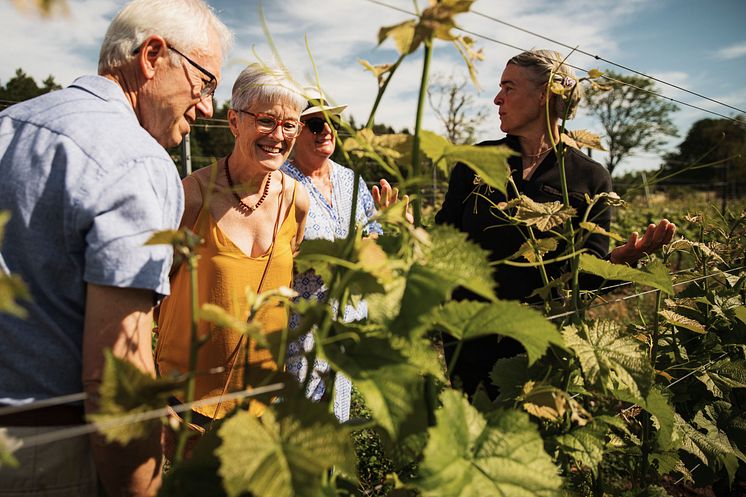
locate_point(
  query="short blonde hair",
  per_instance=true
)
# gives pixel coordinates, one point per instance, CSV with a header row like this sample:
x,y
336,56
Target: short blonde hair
x,y
544,64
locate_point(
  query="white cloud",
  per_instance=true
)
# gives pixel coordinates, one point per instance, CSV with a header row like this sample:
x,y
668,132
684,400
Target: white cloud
x,y
63,46
341,31
731,52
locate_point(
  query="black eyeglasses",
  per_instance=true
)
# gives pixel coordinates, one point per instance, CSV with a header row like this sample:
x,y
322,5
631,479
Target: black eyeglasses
x,y
209,84
316,124
266,123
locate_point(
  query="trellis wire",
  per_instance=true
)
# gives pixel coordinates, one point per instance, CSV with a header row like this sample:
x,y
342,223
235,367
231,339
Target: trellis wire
x,y
494,40
646,292
88,428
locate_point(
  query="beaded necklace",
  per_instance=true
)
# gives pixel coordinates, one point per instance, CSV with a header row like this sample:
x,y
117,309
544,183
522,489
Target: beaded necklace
x,y
238,197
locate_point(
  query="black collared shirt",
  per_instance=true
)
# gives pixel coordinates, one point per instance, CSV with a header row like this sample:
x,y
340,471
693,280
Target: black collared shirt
x,y
470,208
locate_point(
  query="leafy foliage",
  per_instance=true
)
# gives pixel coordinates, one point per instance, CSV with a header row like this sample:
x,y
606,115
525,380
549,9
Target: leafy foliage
x,y
8,445
654,274
466,320
125,390
633,118
470,454
609,358
291,448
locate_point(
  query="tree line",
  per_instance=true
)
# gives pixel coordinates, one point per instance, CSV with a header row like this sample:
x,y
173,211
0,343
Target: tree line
x,y
712,156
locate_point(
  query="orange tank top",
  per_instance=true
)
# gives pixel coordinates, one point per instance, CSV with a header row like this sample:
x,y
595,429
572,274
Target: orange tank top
x,y
223,273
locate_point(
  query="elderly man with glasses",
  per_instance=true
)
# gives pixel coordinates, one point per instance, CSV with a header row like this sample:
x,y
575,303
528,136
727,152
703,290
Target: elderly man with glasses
x,y
86,180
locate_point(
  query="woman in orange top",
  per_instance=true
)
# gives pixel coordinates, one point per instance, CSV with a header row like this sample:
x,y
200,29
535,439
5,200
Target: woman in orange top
x,y
251,216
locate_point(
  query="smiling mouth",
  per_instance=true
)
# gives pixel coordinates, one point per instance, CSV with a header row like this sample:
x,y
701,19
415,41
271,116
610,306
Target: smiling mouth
x,y
271,150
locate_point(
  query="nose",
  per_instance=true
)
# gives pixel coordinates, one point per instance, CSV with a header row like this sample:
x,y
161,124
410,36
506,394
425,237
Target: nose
x,y
204,106
277,133
498,98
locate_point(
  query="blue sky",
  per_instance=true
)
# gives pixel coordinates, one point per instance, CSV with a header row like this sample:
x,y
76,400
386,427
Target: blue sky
x,y
697,44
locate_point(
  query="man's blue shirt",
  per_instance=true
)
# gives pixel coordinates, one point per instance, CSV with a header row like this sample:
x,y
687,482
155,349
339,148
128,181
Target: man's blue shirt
x,y
86,186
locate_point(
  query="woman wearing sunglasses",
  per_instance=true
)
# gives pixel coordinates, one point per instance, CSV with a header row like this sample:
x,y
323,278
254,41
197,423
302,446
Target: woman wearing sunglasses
x,y
251,216
330,187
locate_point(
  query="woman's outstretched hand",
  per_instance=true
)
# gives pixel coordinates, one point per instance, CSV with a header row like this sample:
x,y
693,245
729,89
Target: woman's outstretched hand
x,y
387,196
635,248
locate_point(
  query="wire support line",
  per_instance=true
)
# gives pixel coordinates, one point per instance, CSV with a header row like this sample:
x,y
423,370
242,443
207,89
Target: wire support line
x,y
659,95
39,404
602,59
702,368
88,428
656,94
628,297
81,396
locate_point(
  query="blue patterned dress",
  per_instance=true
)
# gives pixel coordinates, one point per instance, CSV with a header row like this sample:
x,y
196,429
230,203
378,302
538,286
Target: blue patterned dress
x,y
328,222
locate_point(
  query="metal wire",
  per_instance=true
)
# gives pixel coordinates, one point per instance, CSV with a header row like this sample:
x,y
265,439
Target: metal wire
x,y
66,433
515,47
627,297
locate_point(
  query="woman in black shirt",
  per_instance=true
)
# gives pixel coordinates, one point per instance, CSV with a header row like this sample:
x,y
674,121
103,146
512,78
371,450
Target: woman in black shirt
x,y
469,204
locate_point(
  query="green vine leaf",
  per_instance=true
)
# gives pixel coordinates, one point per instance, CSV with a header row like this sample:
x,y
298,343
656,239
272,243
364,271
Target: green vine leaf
x,y
740,313
544,216
654,274
599,230
549,402
390,383
403,35
509,375
585,445
610,359
321,255
12,289
528,249
8,446
724,376
220,317
286,453
125,390
468,454
680,321
378,70
709,444
490,163
586,139
466,320
460,261
657,404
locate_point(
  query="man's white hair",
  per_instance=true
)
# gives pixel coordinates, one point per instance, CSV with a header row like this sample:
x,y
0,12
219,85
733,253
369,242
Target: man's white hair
x,y
187,25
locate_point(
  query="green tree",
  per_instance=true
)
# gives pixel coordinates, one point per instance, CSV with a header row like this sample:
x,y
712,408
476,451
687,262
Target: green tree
x,y
633,119
23,87
713,151
454,106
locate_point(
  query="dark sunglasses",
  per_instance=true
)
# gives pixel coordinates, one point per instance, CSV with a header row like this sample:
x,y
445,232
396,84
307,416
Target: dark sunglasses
x,y
316,124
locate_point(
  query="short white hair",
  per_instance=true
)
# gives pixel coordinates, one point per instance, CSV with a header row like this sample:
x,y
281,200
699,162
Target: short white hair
x,y
188,25
261,83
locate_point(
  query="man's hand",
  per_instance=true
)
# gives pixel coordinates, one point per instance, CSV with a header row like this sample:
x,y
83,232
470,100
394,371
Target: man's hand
x,y
635,248
388,196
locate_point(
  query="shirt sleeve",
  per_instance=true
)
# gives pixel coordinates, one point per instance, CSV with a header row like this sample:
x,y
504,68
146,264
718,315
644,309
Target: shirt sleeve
x,y
134,202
